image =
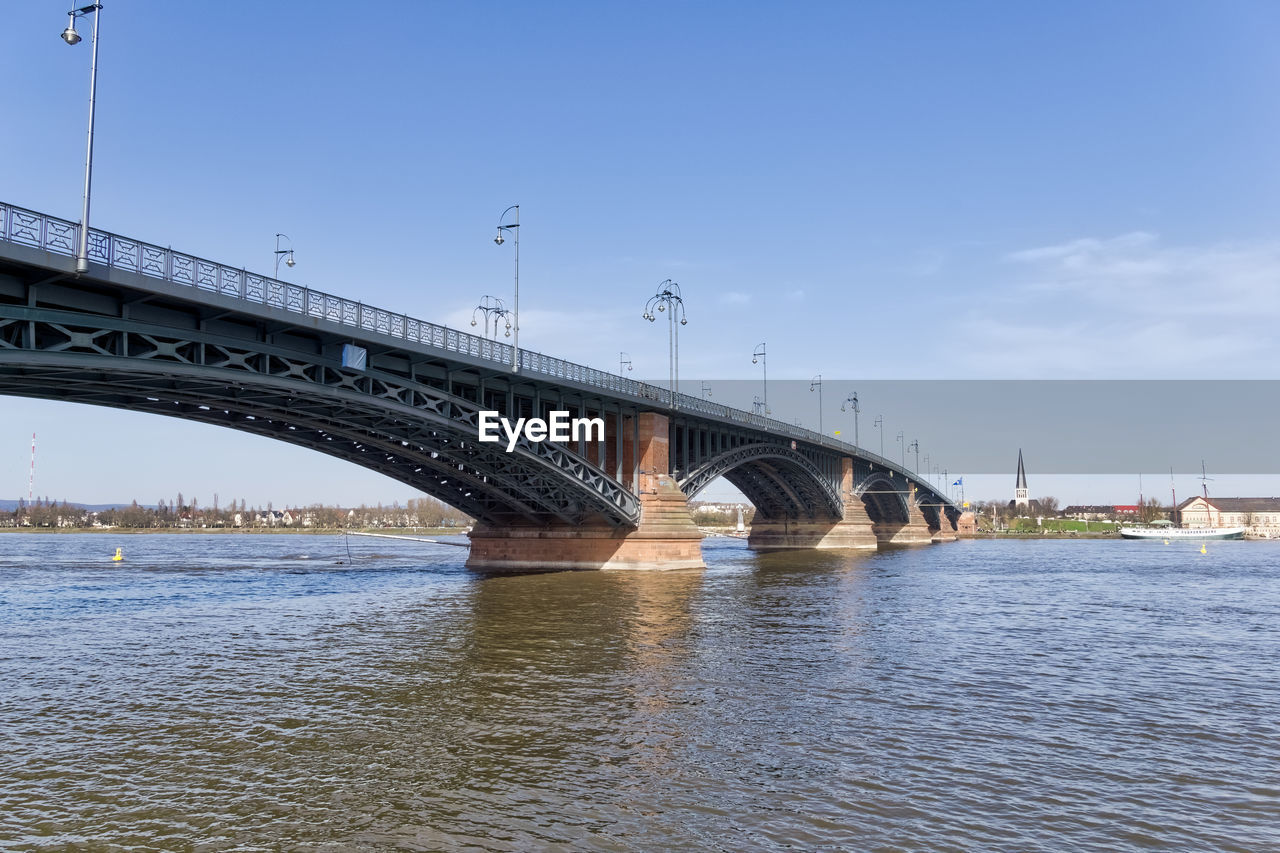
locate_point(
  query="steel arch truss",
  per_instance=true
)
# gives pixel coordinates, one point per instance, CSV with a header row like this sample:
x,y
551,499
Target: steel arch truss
x,y
410,431
779,481
886,498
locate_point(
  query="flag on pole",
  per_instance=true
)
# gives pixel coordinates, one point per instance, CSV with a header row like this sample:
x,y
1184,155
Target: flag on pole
x,y
837,432
959,482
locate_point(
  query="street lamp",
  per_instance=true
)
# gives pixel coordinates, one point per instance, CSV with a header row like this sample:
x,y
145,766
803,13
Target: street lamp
x,y
668,297
514,228
902,441
915,445
759,356
624,361
286,254
491,306
757,406
706,390
879,424
853,398
70,36
816,382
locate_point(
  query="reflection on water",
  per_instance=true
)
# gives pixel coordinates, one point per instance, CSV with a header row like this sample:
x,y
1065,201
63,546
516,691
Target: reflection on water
x,y
250,693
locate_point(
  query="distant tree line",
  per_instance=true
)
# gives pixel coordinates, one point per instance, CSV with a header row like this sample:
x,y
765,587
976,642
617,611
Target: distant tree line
x,y
180,513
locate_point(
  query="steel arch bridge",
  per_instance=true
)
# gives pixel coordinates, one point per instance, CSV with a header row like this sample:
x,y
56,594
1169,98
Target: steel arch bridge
x,y
153,330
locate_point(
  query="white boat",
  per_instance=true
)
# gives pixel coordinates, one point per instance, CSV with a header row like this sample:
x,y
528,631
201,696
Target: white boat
x,y
1194,534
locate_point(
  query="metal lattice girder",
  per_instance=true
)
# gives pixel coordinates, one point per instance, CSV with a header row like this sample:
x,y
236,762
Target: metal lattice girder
x,y
886,497
413,432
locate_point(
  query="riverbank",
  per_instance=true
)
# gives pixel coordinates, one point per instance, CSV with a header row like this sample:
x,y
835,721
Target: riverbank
x,y
254,531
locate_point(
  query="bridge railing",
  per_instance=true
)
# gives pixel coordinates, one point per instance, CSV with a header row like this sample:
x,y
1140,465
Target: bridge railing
x,y
29,228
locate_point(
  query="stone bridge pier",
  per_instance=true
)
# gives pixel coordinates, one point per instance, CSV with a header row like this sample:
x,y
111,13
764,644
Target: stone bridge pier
x,y
666,537
915,531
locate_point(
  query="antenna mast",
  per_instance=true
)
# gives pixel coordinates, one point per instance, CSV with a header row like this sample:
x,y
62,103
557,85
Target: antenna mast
x,y
31,478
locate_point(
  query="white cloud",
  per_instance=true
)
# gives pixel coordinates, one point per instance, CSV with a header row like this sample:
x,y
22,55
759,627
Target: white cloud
x,y
734,297
1131,306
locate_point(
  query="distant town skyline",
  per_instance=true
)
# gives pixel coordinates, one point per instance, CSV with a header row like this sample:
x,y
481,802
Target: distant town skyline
x,y
874,192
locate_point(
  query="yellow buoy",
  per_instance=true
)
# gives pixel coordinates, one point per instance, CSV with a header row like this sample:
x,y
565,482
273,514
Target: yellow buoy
x,y
119,557
1166,541
1203,550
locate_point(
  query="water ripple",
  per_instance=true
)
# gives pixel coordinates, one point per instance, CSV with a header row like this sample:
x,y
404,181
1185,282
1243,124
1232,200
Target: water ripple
x,y
234,693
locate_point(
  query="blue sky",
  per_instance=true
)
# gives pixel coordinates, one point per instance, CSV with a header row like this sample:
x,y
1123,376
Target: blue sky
x,y
887,191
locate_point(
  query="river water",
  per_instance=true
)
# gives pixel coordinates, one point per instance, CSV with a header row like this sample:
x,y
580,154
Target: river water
x,y
279,693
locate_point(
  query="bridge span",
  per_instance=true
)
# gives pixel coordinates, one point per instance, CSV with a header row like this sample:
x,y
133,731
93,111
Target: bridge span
x,y
153,330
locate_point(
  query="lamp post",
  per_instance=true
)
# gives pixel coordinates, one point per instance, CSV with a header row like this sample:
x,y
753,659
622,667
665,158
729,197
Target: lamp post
x,y
757,406
903,442
759,356
624,361
491,306
853,398
706,390
879,424
816,382
70,36
915,445
284,254
514,228
668,299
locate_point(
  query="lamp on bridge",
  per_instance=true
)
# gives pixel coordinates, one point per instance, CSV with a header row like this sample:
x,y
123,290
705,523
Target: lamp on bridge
x,y
914,445
852,400
624,361
492,306
816,382
285,254
759,355
70,36
514,228
879,424
669,299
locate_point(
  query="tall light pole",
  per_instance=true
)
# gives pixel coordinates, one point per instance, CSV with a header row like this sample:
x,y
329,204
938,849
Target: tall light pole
x,y
879,424
902,441
853,399
624,361
706,390
668,299
514,228
757,406
914,445
70,36
759,356
816,382
491,306
285,254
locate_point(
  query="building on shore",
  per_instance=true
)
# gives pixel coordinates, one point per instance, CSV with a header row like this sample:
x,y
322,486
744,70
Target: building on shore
x,y
1260,517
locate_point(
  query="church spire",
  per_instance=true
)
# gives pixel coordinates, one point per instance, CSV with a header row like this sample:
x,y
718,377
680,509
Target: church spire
x,y
1020,498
